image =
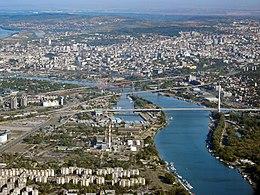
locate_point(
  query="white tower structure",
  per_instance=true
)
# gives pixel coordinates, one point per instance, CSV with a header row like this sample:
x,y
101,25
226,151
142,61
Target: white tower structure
x,y
133,87
109,137
62,101
219,92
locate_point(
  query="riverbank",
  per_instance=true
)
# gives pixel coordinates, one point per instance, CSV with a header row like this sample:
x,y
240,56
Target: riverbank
x,y
153,131
193,99
168,94
216,148
209,145
55,76
6,32
182,141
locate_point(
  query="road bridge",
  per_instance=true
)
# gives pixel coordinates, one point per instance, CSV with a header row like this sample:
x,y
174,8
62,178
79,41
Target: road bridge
x,y
110,84
69,110
125,82
152,90
172,109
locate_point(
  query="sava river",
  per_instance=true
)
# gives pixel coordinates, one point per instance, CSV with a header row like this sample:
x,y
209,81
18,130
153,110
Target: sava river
x,y
183,143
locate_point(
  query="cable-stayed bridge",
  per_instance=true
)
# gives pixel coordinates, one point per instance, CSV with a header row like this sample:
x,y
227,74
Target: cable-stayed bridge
x,y
172,109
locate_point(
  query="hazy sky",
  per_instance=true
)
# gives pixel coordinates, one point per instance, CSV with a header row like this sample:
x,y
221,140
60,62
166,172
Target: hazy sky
x,y
129,4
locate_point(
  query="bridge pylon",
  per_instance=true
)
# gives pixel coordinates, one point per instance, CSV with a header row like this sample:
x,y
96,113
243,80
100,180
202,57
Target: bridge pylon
x,y
219,100
133,88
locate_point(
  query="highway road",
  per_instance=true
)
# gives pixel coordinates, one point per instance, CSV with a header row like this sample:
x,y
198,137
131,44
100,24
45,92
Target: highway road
x,y
70,110
52,120
11,143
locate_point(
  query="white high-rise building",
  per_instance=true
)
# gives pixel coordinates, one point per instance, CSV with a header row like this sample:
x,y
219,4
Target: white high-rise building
x,y
13,103
3,136
23,101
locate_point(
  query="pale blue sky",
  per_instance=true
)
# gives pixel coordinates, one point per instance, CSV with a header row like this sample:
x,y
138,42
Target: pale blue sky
x,y
129,4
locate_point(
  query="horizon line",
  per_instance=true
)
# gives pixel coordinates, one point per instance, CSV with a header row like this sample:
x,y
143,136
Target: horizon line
x,y
169,12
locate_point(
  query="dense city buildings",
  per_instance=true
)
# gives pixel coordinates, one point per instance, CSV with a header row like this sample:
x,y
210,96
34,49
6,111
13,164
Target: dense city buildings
x,y
232,45
72,117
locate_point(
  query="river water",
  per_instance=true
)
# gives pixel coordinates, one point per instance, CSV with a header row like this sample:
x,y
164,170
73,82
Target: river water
x,y
183,142
130,117
5,33
82,83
